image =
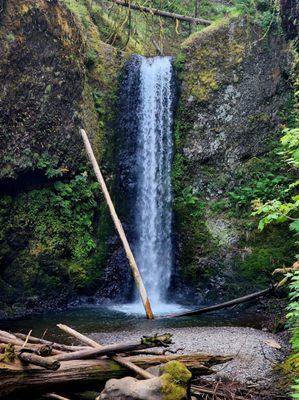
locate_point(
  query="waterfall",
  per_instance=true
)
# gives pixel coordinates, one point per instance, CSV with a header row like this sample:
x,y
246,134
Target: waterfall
x,y
146,103
153,208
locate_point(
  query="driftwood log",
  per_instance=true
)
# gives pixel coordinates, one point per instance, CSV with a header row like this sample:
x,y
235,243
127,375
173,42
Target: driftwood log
x,y
57,346
118,359
226,304
44,362
91,371
116,348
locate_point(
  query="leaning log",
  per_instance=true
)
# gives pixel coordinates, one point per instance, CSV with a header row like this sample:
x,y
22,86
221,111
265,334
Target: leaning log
x,y
226,304
118,225
162,13
16,377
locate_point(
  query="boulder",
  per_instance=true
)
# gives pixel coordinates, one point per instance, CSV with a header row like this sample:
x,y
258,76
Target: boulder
x,y
172,384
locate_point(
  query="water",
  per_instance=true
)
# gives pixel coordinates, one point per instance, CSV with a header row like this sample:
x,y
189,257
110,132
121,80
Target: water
x,y
95,319
153,215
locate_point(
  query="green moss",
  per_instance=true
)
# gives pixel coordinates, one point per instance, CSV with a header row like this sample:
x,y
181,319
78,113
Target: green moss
x,y
212,55
175,379
10,37
9,354
266,251
48,236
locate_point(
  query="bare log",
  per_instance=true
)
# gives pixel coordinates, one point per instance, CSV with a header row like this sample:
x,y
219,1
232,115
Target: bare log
x,y
164,14
57,346
55,396
135,271
84,339
8,335
91,371
118,359
112,349
44,362
226,304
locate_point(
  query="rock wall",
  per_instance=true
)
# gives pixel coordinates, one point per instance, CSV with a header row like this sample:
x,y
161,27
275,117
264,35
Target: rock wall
x,y
234,89
56,76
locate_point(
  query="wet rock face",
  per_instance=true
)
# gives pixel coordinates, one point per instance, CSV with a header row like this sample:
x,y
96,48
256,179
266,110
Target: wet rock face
x,y
56,76
42,79
234,88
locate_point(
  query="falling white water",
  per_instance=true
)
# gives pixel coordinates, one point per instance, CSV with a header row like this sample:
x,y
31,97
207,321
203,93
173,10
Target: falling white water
x,y
153,218
153,205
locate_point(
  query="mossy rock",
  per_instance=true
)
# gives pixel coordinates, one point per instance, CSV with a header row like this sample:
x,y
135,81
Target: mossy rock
x,y
175,379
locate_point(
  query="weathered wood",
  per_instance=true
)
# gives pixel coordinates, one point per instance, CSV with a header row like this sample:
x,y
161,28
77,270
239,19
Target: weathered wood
x,y
91,371
84,339
161,13
118,359
44,362
8,335
57,346
199,390
226,304
135,271
55,396
112,349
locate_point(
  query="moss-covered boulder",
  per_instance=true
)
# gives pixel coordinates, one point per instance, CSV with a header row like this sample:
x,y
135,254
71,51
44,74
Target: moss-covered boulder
x,y
235,87
171,384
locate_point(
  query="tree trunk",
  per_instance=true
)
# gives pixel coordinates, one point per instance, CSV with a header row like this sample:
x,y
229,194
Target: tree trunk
x,y
135,271
230,303
112,349
161,13
15,376
196,8
120,360
57,346
44,362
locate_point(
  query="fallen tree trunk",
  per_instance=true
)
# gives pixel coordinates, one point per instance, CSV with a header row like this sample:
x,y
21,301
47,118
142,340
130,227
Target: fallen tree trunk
x,y
15,376
118,359
116,348
161,13
226,304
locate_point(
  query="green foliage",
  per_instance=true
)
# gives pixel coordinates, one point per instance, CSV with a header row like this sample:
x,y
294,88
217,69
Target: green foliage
x,y
293,324
262,186
290,142
47,163
266,13
286,210
53,231
189,200
277,211
293,310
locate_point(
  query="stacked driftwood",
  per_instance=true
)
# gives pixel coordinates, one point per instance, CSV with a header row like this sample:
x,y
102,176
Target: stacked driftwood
x,y
28,362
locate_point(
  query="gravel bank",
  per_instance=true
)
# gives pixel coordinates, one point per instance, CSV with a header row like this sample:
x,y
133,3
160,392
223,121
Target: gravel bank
x,y
253,350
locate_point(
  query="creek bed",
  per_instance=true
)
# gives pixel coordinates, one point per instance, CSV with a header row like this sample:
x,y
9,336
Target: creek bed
x,y
234,332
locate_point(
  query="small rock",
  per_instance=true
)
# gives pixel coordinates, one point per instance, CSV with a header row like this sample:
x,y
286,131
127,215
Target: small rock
x,y
131,389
